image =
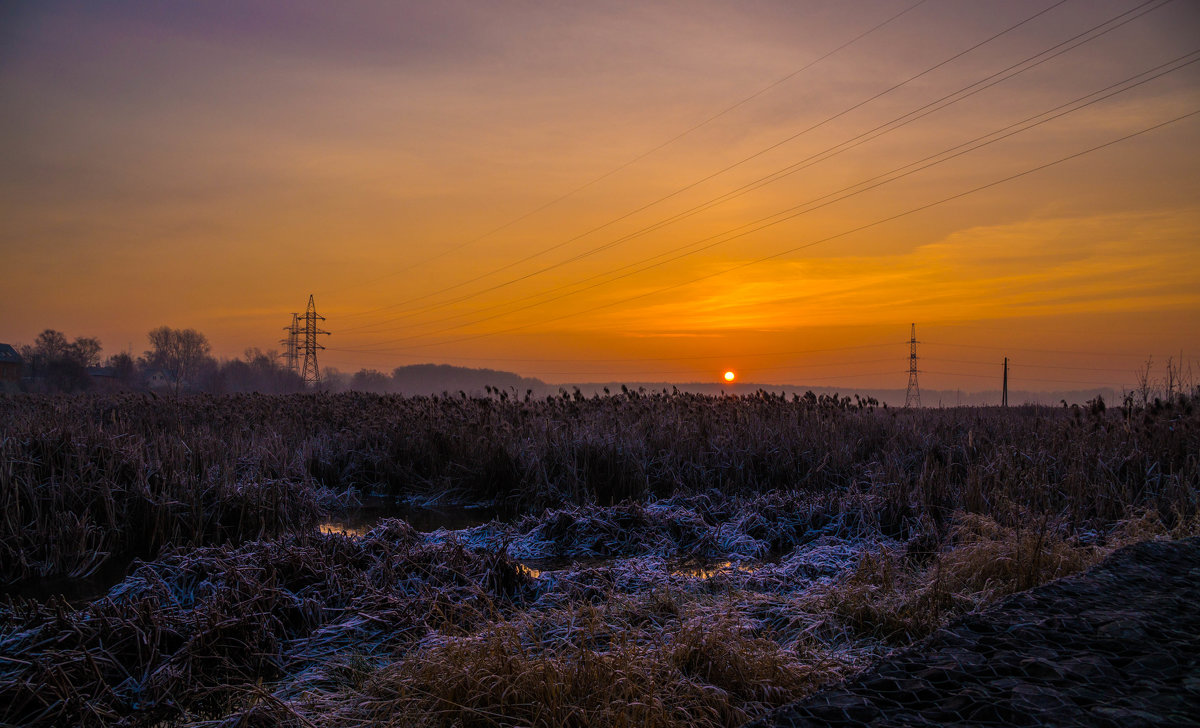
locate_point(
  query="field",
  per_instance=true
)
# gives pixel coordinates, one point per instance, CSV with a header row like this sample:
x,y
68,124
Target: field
x,y
660,559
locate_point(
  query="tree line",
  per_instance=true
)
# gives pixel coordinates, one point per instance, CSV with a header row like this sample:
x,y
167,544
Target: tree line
x,y
177,360
181,360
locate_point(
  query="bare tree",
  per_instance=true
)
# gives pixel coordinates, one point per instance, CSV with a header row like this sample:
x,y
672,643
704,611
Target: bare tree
x,y
1144,384
50,345
85,351
1174,376
59,364
123,367
180,352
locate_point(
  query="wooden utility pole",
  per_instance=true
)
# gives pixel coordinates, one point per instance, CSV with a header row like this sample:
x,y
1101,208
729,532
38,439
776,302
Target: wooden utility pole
x,y
1004,396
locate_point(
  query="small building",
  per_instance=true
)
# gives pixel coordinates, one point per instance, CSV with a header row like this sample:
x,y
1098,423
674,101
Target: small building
x,y
104,379
159,379
11,365
102,373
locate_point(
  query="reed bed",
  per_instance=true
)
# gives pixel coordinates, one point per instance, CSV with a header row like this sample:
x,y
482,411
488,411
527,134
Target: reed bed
x,y
72,497
675,559
84,479
186,635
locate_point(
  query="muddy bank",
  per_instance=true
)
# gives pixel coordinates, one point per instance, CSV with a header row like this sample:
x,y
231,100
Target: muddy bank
x,y
1116,646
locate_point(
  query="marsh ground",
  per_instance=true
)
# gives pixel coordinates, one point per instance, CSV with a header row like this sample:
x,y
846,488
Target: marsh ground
x,y
658,559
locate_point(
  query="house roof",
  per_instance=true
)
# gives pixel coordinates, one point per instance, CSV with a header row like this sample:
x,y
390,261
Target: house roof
x,y
9,354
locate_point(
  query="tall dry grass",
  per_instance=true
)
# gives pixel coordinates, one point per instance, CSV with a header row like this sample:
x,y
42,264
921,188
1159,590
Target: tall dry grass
x,y
82,478
886,524
188,635
74,494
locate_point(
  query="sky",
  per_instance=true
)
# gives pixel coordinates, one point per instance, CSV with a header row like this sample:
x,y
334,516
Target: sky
x,y
583,191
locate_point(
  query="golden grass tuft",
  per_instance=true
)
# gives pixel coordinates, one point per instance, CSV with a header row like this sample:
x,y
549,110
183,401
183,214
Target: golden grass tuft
x,y
1149,525
615,668
887,599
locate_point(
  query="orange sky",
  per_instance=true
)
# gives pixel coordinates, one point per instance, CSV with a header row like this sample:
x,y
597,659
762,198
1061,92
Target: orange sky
x,y
485,184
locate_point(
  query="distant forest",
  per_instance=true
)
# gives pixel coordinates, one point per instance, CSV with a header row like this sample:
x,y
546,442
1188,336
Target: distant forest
x,y
177,360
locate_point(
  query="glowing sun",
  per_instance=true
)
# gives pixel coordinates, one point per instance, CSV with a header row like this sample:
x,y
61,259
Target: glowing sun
x,y
729,376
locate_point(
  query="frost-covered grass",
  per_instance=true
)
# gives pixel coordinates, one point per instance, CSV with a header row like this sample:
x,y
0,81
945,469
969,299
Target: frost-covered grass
x,y
401,628
678,561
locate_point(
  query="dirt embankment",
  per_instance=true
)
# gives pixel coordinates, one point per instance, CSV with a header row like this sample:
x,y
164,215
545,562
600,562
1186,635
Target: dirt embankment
x,y
1116,646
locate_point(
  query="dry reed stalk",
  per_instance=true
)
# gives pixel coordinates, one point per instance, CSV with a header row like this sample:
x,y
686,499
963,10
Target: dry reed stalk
x,y
204,634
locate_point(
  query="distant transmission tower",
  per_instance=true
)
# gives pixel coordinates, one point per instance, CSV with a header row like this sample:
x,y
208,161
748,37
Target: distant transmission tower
x,y
291,355
913,397
308,325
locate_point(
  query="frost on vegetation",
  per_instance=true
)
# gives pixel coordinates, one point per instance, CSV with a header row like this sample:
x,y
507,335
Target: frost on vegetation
x,y
740,549
826,558
682,527
837,534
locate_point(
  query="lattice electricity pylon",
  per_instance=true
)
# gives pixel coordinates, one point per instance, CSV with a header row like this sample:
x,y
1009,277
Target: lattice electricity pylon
x,y
912,398
310,373
291,355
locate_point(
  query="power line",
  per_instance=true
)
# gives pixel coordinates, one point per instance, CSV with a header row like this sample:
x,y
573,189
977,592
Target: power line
x,y
852,231
804,208
828,153
755,155
912,168
645,154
